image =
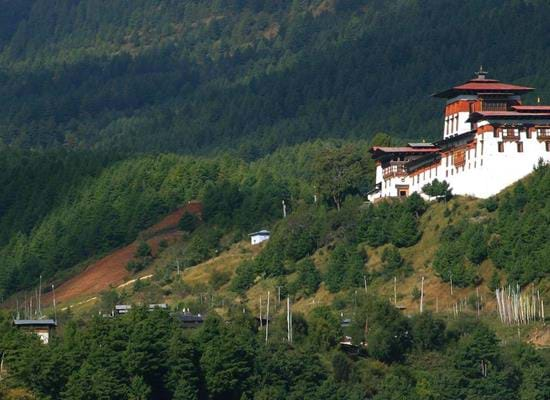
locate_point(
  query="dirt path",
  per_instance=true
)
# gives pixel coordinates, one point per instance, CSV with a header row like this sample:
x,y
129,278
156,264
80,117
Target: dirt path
x,y
110,271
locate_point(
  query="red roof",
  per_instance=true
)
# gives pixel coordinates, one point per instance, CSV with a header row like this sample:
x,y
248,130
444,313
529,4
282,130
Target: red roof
x,y
477,116
482,85
379,151
532,108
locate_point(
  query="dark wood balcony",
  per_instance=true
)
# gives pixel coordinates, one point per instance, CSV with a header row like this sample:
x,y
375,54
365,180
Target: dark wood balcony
x,y
395,168
543,134
510,137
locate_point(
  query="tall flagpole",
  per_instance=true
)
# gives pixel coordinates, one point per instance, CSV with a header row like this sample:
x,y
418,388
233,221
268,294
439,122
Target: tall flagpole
x,y
267,319
40,297
54,306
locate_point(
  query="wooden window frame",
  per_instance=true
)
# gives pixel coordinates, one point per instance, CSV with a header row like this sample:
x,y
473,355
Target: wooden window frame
x,y
520,147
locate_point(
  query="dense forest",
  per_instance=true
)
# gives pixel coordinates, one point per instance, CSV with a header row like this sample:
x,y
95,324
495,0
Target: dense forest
x,y
96,204
60,208
251,75
147,355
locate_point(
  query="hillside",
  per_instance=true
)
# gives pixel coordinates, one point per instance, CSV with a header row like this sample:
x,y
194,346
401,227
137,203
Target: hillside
x,y
242,273
318,257
110,271
249,76
142,141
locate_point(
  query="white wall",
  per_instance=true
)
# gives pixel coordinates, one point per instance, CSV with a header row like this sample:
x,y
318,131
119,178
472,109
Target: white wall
x,y
256,239
44,336
486,171
455,124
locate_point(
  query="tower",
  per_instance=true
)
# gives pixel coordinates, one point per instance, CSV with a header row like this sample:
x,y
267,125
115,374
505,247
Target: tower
x,y
477,95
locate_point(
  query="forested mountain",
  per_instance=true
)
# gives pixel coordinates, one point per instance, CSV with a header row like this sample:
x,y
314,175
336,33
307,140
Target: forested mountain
x,y
113,114
61,207
318,248
252,75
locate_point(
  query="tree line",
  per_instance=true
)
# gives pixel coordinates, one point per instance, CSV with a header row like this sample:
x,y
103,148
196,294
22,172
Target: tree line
x,y
148,355
250,76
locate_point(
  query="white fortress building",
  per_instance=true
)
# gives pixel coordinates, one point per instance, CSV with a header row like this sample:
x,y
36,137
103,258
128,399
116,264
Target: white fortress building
x,y
490,140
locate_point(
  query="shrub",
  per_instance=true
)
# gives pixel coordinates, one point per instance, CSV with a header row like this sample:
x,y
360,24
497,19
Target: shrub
x,y
428,332
345,269
494,282
135,266
188,222
309,277
244,277
449,263
202,246
143,249
393,264
490,204
416,293
341,367
218,279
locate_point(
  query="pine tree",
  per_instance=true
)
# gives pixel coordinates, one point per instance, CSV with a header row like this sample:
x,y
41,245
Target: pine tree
x,y
405,231
309,277
336,269
138,389
227,363
182,376
185,391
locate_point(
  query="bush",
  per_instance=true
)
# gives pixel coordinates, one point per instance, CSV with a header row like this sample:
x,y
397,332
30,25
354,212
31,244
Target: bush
x,y
244,277
188,222
143,249
428,332
490,204
135,266
202,246
449,263
389,332
494,282
218,279
341,367
345,269
393,264
309,278
391,222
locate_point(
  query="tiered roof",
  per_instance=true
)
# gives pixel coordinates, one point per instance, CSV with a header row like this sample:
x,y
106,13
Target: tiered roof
x,y
378,152
492,115
482,85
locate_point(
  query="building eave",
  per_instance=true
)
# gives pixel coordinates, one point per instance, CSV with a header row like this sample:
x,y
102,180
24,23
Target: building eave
x,y
508,115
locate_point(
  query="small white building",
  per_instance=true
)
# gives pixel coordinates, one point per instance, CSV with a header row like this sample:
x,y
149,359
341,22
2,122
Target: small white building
x,y
41,327
490,140
259,237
